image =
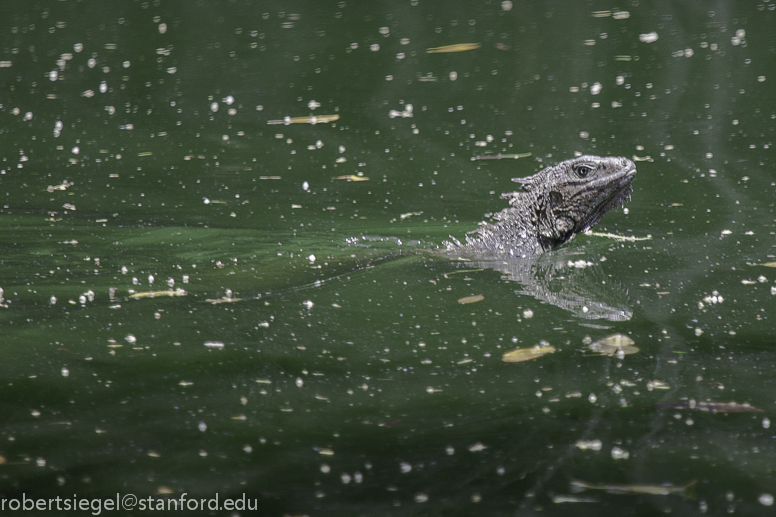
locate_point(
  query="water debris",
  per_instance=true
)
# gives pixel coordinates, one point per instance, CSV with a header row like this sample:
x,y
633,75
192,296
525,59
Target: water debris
x,y
312,119
619,344
500,156
471,299
62,186
557,499
666,489
223,299
158,294
352,177
518,355
410,214
447,275
712,299
145,153
769,264
617,15
709,407
621,238
657,385
214,344
458,47
406,113
592,445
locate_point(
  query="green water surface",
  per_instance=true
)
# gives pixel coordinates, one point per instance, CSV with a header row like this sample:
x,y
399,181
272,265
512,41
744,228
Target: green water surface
x,y
315,357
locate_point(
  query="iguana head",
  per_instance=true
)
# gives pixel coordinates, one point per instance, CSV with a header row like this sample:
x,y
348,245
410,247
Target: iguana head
x,y
574,195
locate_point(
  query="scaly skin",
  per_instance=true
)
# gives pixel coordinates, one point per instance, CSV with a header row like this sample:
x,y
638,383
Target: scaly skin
x,y
556,203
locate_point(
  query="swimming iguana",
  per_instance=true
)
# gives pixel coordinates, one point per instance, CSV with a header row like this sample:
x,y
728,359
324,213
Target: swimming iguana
x,y
555,204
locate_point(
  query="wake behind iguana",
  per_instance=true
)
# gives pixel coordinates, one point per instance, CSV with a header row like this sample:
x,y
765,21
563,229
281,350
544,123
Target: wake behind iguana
x,y
556,203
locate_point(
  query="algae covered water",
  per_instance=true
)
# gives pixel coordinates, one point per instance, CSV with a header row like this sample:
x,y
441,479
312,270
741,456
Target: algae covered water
x,y
216,280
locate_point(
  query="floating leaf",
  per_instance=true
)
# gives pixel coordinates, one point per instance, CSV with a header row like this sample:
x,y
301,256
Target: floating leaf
x,y
312,119
710,407
518,355
613,344
352,177
471,299
458,47
769,264
157,294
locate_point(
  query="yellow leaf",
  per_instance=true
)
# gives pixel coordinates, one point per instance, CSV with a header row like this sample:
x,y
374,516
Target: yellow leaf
x,y
157,294
458,47
352,177
518,355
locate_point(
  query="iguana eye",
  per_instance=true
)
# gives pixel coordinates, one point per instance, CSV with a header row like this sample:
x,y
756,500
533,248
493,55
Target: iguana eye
x,y
583,170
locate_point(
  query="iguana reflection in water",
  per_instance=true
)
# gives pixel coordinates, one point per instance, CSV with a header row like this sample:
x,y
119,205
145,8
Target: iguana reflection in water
x,y
557,278
555,204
